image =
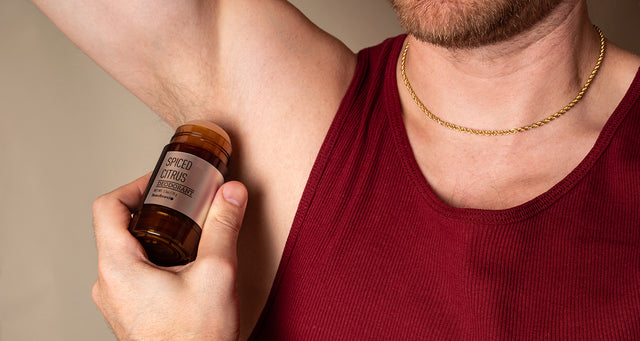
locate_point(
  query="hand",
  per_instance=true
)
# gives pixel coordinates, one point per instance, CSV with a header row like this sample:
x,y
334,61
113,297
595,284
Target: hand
x,y
142,301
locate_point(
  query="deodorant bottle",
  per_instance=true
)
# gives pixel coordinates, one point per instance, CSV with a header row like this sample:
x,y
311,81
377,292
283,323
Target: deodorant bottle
x,y
169,221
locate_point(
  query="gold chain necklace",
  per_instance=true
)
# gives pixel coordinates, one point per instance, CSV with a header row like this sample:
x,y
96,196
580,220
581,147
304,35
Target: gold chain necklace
x,y
508,131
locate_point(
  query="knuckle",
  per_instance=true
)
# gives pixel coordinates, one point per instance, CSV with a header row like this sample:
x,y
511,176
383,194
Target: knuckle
x,y
102,271
227,220
100,204
107,274
95,293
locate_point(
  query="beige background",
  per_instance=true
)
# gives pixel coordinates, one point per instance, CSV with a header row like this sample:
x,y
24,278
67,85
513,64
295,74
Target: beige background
x,y
68,133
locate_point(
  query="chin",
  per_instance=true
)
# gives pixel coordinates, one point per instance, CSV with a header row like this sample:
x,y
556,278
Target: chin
x,y
472,23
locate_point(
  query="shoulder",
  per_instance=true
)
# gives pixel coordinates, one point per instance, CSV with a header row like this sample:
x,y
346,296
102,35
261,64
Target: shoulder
x,y
622,66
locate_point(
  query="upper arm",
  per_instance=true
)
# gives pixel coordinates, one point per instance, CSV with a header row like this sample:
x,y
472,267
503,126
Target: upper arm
x,y
124,37
211,58
259,68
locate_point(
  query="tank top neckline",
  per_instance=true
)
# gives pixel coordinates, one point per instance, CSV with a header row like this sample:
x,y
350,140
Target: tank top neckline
x,y
509,215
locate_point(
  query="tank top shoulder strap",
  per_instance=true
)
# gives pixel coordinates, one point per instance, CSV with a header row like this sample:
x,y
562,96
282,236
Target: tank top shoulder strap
x,y
374,67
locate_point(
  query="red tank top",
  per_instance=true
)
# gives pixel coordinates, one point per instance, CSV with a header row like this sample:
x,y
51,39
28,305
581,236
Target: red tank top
x,y
374,254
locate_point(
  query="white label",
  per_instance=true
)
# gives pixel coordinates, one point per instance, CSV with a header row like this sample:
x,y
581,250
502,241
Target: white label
x,y
186,183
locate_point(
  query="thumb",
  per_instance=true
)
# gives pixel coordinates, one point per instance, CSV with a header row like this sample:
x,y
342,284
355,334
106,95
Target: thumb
x,y
220,231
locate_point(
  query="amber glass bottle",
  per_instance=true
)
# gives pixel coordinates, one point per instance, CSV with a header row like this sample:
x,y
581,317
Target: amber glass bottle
x,y
168,222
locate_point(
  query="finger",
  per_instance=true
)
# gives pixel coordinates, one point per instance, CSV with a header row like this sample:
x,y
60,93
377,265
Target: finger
x,y
96,294
131,194
220,232
111,216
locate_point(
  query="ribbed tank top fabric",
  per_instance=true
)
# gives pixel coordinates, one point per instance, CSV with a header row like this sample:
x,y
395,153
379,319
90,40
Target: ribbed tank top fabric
x,y
373,253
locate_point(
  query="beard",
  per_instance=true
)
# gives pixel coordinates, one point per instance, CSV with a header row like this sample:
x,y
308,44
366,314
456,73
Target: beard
x,y
469,23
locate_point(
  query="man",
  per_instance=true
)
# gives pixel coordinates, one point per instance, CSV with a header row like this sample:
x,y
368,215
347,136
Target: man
x,y
353,268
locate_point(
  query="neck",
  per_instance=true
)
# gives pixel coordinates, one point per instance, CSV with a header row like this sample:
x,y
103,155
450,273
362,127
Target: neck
x,y
508,84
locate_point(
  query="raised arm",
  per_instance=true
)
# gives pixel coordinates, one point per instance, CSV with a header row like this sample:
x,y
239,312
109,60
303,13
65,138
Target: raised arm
x,y
258,68
202,58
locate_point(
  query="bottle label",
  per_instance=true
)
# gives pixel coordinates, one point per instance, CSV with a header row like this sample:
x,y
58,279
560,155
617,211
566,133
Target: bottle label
x,y
186,183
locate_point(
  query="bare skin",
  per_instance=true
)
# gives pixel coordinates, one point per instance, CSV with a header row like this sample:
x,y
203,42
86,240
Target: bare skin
x,y
204,309
500,92
274,81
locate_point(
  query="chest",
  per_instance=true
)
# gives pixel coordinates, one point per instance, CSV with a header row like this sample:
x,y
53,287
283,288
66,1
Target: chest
x,y
373,252
374,258
489,173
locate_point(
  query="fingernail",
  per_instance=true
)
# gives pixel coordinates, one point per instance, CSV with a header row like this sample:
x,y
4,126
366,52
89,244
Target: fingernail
x,y
234,194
